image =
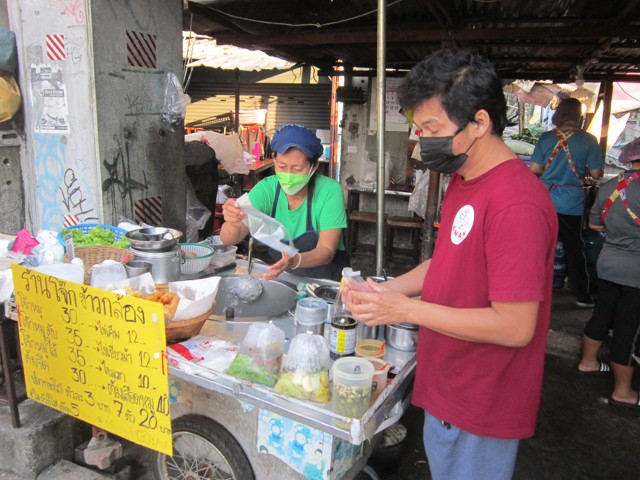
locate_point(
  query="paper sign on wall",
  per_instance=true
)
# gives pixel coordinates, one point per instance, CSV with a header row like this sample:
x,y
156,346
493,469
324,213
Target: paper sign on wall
x,y
95,355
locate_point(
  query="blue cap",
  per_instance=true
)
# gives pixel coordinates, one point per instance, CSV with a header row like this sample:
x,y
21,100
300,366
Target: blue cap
x,y
296,136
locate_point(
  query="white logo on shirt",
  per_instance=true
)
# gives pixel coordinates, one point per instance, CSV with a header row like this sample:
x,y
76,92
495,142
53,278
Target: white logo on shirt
x,y
462,224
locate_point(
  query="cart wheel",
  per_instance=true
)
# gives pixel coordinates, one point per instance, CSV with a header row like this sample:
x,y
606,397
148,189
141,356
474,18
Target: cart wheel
x,y
202,449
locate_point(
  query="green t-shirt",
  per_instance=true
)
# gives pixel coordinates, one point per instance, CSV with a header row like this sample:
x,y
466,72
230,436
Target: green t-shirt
x,y
327,209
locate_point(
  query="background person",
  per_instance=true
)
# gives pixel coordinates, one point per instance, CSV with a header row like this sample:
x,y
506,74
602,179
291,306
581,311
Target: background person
x,y
309,205
486,293
561,158
617,211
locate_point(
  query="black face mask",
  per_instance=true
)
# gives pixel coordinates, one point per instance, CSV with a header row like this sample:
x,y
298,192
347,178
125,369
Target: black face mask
x,y
437,154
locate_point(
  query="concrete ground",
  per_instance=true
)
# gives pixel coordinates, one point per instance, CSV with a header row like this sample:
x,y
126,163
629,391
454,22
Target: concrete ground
x,y
579,436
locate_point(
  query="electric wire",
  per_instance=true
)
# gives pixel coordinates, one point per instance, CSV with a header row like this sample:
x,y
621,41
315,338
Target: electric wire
x,y
317,25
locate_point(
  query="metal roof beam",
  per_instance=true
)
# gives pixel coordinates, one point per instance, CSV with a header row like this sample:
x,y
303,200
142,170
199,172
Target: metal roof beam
x,y
367,37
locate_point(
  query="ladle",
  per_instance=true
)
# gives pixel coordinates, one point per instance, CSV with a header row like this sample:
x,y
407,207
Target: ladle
x,y
248,288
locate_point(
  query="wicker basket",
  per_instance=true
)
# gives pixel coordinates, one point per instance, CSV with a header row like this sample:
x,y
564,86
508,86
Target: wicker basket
x,y
181,330
93,254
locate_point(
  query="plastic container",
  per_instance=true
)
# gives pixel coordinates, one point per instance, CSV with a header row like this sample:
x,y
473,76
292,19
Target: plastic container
x,y
107,273
379,381
223,255
66,271
352,380
370,348
310,315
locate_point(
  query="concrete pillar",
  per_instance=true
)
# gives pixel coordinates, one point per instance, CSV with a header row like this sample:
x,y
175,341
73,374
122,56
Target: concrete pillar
x,y
92,75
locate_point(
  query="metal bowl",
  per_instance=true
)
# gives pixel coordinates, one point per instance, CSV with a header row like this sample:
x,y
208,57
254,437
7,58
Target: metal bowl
x,y
140,241
402,336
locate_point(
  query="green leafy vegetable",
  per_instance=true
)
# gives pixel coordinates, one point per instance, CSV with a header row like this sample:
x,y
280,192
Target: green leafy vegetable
x,y
96,236
244,367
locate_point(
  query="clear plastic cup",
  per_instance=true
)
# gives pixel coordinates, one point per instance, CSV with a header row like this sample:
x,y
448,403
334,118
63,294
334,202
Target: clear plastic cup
x,y
380,374
352,379
105,274
310,316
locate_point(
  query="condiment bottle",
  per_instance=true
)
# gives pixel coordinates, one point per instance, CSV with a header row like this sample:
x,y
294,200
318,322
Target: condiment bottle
x,y
342,338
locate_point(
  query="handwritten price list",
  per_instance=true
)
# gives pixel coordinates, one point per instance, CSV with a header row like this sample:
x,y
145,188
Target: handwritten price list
x,y
95,355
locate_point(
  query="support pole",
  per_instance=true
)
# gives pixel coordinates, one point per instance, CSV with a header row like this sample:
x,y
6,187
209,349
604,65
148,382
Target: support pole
x,y
381,102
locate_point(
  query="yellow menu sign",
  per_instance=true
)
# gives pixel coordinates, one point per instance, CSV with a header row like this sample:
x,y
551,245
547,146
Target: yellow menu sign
x,y
95,355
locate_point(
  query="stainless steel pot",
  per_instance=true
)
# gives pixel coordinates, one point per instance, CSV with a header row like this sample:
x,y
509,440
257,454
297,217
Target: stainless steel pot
x,y
165,266
402,336
141,242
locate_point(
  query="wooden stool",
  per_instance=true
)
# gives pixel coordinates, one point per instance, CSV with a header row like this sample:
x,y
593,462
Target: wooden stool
x,y
355,218
414,224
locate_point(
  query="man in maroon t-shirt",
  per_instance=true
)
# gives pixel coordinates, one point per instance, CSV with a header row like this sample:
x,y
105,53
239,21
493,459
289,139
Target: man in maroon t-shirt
x,y
486,292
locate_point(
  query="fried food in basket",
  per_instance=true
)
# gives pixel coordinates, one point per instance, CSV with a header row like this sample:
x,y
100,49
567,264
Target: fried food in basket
x,y
170,301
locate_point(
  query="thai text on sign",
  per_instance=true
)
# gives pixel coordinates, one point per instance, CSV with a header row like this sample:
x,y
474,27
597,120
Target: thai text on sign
x,y
96,355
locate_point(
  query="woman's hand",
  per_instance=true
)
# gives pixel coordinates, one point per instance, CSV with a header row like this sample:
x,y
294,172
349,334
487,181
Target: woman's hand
x,y
232,213
378,306
285,263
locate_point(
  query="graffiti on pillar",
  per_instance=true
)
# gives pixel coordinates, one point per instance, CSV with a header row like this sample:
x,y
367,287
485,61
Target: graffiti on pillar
x,y
122,184
74,47
74,9
61,191
49,167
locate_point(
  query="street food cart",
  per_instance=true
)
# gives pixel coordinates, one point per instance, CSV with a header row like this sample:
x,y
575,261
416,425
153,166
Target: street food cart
x,y
225,427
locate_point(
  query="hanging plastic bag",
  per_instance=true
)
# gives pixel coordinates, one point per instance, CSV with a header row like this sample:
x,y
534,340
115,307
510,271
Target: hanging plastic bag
x,y
418,198
305,371
9,97
265,229
260,356
197,214
175,103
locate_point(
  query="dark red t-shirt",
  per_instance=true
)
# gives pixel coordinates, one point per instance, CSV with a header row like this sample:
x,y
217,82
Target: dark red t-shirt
x,y
496,243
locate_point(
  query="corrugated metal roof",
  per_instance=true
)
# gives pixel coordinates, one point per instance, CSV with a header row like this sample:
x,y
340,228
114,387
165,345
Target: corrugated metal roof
x,y
203,51
532,39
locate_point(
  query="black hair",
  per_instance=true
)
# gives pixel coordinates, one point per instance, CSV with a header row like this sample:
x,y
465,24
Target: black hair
x,y
463,81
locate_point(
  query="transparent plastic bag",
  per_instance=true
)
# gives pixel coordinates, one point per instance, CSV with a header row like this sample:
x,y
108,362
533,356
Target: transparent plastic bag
x,y
175,103
305,371
418,199
260,356
265,229
197,214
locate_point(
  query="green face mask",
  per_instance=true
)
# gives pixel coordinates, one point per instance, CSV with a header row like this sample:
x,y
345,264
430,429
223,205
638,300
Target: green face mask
x,y
292,183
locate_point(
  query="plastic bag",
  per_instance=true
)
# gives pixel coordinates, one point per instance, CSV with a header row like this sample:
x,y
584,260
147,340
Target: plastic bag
x,y
8,51
9,97
24,242
228,149
49,250
265,229
197,214
260,357
305,371
174,107
418,199
369,170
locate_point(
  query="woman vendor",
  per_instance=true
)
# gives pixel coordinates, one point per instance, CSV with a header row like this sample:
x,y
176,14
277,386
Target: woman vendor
x,y
308,204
